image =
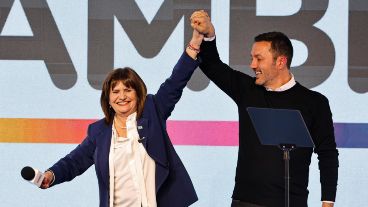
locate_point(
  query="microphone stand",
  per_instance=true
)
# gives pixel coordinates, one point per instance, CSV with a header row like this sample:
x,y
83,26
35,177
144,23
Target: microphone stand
x,y
286,148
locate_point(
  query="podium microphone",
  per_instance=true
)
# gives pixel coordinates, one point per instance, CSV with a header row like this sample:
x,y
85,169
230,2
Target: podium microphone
x,y
32,175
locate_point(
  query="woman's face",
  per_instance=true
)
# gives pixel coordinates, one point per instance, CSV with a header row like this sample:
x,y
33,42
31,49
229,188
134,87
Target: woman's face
x,y
123,99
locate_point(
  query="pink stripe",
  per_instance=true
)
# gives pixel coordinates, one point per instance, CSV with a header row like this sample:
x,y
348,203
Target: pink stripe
x,y
204,133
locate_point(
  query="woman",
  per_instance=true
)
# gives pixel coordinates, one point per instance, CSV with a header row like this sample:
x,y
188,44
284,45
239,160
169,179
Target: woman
x,y
136,164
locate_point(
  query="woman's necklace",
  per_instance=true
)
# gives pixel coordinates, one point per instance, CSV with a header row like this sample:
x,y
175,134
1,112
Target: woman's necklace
x,y
116,123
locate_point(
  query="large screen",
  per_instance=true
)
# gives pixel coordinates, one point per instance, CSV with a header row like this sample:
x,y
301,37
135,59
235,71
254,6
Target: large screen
x,y
54,56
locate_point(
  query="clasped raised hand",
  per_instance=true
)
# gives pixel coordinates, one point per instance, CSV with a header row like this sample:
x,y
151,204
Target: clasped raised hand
x,y
201,22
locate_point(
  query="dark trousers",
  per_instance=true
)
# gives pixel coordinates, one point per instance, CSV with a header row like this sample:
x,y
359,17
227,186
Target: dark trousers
x,y
237,203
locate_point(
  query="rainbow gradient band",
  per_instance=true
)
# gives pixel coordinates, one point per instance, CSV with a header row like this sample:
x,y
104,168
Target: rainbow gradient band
x,y
197,133
19,130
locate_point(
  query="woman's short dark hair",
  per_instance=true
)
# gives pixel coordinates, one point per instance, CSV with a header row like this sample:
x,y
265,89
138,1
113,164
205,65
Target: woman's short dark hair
x,y
280,44
130,79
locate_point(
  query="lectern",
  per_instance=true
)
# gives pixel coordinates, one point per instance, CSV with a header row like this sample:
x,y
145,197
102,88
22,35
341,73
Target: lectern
x,y
284,128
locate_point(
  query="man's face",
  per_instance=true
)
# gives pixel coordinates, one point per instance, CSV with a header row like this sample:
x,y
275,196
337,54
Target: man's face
x,y
264,65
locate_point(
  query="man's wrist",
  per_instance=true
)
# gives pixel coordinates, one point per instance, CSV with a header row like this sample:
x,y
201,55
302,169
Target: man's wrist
x,y
327,203
208,39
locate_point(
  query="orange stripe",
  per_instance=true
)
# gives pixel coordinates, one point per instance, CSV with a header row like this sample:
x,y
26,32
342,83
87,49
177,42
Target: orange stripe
x,y
43,130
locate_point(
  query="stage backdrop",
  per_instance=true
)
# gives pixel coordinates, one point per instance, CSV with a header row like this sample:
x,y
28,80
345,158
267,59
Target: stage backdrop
x,y
55,54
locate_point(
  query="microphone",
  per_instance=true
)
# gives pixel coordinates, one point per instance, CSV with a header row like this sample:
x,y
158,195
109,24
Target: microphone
x,y
32,175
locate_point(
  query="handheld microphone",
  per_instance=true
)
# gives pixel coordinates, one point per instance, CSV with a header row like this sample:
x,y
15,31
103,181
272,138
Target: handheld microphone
x,y
32,175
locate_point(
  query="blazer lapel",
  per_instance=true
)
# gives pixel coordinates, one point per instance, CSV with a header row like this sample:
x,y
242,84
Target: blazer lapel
x,y
103,146
153,141
142,127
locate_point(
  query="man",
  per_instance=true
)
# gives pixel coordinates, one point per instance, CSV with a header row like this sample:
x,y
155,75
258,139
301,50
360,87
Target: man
x,y
259,177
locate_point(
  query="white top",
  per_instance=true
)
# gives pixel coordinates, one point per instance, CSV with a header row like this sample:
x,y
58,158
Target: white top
x,y
286,86
132,170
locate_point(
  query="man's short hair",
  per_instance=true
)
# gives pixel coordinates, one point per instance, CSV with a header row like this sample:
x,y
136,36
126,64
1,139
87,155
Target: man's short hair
x,y
280,45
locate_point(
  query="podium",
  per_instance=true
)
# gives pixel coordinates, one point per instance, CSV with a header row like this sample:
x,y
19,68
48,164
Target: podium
x,y
284,128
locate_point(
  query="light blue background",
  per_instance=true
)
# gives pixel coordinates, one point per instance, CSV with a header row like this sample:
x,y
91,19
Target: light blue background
x,y
212,169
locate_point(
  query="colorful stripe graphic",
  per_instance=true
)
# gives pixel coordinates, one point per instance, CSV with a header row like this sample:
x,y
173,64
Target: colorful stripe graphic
x,y
202,133
43,130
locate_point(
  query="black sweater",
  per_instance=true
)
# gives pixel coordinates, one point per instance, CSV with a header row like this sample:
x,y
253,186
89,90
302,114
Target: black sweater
x,y
260,169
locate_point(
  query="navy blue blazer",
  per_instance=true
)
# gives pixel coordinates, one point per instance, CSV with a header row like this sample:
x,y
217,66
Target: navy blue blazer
x,y
174,187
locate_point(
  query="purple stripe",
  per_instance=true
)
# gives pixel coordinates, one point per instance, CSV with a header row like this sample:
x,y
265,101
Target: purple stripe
x,y
351,135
